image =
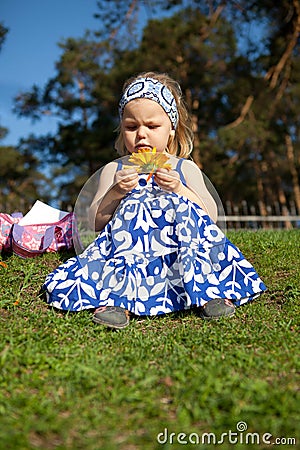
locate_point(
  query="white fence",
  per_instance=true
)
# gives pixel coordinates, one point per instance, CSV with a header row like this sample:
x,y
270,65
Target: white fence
x,y
255,217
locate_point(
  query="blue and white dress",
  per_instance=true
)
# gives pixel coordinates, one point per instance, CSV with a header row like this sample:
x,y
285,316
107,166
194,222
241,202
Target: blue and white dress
x,y
159,253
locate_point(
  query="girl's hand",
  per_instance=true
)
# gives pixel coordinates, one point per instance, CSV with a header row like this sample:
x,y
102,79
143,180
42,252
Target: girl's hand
x,y
168,180
125,180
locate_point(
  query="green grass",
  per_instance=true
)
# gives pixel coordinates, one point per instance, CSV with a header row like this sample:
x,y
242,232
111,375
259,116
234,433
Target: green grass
x,y
66,383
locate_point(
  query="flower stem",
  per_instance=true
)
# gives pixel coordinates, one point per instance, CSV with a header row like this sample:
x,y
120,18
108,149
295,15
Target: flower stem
x,y
150,175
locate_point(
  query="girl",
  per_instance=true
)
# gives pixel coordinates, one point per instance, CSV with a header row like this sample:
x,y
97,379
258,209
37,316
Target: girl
x,y
158,248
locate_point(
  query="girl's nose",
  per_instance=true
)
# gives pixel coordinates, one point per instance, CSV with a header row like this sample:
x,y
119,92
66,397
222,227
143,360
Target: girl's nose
x,y
141,132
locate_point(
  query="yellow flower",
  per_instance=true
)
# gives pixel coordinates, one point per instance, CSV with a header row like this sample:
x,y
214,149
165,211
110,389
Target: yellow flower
x,y
148,160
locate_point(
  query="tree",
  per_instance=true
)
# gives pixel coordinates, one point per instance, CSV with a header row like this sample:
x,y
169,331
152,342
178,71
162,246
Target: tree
x,y
19,178
79,96
84,93
244,99
20,181
3,32
267,124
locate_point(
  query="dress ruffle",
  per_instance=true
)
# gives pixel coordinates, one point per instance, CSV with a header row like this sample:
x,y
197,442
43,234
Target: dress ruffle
x,y
160,253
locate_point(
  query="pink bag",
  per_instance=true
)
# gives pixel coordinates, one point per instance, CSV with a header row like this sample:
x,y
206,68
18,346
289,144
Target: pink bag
x,y
6,223
33,240
32,235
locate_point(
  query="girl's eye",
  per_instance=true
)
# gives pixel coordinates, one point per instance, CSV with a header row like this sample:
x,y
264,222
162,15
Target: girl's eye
x,y
152,127
130,127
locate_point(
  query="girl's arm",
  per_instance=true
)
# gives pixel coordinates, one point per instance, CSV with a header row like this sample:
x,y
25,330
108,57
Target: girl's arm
x,y
195,182
196,190
113,187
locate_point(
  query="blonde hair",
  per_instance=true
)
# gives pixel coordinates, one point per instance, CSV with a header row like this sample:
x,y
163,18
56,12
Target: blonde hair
x,y
181,144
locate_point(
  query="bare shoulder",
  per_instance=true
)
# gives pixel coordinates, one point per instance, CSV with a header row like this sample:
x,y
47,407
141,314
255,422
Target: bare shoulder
x,y
187,163
190,169
107,173
109,167
106,178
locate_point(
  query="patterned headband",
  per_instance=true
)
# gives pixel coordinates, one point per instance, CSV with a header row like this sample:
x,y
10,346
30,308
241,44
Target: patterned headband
x,y
153,90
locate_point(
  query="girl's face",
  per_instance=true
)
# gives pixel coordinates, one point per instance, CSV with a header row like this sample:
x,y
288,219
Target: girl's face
x,y
145,125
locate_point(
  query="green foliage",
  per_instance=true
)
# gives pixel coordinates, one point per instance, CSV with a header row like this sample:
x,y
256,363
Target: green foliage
x,y
237,64
66,383
3,32
19,180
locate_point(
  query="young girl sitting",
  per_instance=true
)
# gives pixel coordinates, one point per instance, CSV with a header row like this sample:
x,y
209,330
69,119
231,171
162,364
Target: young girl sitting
x,y
158,249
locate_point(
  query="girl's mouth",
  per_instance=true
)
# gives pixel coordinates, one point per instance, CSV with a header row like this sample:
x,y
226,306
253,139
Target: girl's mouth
x,y
143,147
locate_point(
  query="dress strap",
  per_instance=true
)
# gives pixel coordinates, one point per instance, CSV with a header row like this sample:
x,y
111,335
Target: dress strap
x,y
178,169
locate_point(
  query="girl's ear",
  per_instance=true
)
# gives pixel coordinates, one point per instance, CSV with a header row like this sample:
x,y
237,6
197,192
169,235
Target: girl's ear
x,y
172,133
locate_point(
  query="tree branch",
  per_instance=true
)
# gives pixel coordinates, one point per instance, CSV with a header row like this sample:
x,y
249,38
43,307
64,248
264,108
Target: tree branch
x,y
274,72
244,111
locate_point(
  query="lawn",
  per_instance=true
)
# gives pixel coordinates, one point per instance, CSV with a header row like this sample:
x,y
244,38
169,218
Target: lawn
x,y
161,383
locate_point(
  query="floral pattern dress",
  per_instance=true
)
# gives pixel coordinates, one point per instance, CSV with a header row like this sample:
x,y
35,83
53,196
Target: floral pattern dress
x,y
158,254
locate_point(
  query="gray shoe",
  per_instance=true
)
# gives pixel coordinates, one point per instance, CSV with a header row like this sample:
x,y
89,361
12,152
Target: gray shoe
x,y
112,316
216,308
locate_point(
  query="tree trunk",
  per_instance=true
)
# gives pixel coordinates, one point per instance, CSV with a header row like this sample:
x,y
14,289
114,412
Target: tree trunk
x,y
291,160
280,192
260,189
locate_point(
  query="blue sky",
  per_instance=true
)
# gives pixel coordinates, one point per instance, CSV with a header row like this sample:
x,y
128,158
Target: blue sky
x,y
30,51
